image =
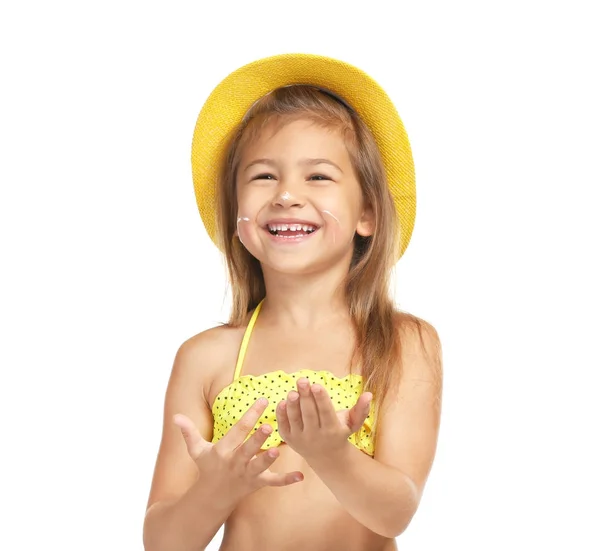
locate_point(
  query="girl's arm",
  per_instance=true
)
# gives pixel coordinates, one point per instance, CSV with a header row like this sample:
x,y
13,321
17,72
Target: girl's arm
x,y
380,497
187,523
383,493
198,484
184,512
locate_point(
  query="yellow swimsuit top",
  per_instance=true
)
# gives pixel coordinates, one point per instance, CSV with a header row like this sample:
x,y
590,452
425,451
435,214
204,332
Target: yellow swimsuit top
x,y
235,399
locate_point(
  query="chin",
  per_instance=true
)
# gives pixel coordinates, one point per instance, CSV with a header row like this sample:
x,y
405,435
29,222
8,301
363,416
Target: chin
x,y
300,260
301,265
291,266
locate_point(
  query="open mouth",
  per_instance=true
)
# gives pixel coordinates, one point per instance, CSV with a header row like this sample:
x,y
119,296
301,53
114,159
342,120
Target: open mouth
x,y
291,230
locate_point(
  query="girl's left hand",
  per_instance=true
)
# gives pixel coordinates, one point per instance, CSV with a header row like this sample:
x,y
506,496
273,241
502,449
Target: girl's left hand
x,y
309,424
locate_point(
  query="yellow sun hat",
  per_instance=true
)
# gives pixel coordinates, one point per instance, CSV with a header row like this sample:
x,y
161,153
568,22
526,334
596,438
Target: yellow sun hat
x,y
232,98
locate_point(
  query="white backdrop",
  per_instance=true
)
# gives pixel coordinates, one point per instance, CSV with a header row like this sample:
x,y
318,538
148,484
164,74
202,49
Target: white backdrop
x,y
106,268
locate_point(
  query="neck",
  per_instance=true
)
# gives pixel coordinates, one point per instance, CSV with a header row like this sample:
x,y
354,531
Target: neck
x,y
307,300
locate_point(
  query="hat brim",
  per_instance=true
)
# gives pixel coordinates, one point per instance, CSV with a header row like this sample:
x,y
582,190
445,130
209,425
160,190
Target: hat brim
x,y
232,98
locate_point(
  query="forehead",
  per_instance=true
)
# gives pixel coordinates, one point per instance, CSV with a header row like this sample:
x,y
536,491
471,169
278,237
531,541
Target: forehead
x,y
301,135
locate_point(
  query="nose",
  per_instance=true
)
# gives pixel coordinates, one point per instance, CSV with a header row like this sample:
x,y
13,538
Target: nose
x,y
285,199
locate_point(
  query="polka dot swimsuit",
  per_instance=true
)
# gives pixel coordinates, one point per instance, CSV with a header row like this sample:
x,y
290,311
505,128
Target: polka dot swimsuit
x,y
235,399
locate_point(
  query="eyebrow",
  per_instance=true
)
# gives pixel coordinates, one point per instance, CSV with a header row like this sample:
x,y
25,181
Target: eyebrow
x,y
306,162
259,162
313,162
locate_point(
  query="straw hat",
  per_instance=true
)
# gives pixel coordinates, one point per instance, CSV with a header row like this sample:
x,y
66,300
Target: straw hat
x,y
233,97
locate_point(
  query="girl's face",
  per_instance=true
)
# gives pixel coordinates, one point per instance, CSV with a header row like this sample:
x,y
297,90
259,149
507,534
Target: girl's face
x,y
299,199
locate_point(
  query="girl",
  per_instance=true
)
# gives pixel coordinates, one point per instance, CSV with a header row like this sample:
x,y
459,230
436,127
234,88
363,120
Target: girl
x,y
310,420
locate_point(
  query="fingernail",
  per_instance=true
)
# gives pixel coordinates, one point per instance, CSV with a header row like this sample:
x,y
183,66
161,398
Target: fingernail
x,y
262,402
316,389
293,397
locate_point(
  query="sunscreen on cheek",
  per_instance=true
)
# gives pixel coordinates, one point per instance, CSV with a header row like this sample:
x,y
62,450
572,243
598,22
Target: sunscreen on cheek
x,y
239,233
335,229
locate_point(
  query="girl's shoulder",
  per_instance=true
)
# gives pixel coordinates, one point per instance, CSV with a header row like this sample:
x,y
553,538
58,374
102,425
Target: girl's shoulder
x,y
419,339
207,353
413,329
213,339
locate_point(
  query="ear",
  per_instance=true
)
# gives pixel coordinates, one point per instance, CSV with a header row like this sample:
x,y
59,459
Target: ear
x,y
366,224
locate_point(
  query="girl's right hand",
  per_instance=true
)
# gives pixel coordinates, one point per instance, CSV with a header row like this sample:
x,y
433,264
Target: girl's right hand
x,y
237,465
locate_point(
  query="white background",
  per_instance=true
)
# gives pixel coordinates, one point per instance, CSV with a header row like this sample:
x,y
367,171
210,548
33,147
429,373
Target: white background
x,y
106,268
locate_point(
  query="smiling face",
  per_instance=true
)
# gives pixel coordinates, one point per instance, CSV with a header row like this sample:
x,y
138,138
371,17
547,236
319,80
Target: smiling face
x,y
299,199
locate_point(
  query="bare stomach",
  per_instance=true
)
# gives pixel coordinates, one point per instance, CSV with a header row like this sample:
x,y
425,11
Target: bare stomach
x,y
298,517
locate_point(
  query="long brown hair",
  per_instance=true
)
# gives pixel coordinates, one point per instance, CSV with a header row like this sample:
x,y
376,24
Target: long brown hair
x,y
371,308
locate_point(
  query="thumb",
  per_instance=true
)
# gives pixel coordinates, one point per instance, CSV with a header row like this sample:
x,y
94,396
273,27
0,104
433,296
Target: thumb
x,y
359,412
193,439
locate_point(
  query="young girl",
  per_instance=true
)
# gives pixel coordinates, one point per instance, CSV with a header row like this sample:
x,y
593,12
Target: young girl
x,y
310,420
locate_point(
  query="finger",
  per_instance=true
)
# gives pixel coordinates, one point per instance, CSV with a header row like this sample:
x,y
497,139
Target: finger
x,y
194,442
283,422
260,465
281,479
325,407
308,406
360,411
262,461
294,413
252,445
239,432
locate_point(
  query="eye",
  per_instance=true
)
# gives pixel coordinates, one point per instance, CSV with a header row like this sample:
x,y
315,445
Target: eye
x,y
319,177
265,176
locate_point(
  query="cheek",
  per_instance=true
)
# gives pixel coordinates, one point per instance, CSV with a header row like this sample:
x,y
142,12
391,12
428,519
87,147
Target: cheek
x,y
333,224
339,223
249,208
246,213
244,230
251,199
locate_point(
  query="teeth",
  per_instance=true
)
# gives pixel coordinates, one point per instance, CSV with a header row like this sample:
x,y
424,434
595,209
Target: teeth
x,y
291,227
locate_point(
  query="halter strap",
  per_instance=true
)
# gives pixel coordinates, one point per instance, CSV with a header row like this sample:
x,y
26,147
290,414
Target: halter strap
x,y
245,340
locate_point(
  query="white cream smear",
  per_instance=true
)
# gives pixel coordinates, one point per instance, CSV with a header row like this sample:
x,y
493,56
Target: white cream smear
x,y
332,216
241,219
